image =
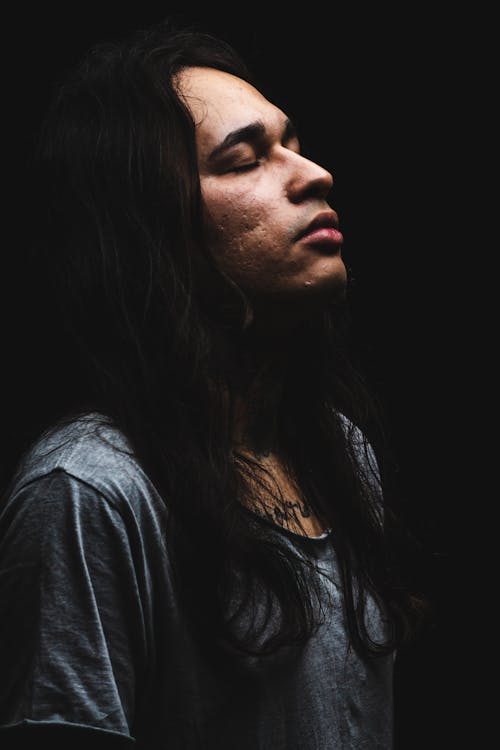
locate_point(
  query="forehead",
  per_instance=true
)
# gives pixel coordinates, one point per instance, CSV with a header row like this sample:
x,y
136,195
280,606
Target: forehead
x,y
221,102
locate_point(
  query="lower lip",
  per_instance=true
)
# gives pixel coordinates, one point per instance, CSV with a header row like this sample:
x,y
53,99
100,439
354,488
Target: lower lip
x,y
326,237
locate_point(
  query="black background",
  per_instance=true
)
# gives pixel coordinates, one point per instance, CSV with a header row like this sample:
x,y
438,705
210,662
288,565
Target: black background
x,y
374,94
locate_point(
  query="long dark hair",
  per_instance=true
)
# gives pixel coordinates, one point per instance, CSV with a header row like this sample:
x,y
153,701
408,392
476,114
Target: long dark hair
x,y
125,313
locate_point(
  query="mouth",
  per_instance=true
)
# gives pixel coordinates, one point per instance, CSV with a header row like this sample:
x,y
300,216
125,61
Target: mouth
x,y
323,231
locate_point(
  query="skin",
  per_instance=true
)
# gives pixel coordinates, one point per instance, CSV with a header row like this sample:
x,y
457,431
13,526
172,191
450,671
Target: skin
x,y
257,197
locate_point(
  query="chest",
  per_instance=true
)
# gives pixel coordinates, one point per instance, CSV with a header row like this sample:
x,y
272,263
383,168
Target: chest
x,y
274,493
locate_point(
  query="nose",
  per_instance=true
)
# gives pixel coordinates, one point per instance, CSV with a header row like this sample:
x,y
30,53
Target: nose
x,y
307,179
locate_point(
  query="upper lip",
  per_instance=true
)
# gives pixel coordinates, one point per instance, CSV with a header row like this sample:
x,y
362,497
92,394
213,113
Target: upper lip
x,y
323,219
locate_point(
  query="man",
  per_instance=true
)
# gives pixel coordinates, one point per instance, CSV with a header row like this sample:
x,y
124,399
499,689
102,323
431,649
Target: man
x,y
193,542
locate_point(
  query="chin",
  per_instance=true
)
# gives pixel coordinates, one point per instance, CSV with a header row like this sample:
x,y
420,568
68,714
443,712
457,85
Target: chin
x,y
285,308
325,289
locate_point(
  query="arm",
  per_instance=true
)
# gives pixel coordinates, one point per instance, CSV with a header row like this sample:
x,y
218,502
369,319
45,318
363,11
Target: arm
x,y
72,645
61,737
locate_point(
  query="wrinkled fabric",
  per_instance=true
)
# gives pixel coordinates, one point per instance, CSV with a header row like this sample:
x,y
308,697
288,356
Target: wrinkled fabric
x,y
92,635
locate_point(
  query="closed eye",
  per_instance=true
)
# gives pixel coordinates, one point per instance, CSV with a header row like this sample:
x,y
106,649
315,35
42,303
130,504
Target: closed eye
x,y
245,167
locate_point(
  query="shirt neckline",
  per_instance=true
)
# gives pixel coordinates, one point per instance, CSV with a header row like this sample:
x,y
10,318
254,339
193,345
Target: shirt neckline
x,y
288,532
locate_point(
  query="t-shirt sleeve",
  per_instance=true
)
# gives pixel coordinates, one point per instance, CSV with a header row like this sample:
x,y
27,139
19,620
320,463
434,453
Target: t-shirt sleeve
x,y
72,639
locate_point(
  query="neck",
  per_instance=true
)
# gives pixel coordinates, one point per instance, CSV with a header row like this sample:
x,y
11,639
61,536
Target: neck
x,y
260,366
260,360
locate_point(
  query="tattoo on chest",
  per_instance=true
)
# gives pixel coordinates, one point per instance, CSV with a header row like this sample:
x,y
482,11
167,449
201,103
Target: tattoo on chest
x,y
289,511
267,490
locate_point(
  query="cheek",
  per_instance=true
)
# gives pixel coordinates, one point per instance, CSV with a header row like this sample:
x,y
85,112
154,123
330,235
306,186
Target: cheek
x,y
237,229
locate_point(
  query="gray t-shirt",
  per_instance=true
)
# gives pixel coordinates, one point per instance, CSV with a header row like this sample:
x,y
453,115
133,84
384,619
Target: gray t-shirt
x,y
91,633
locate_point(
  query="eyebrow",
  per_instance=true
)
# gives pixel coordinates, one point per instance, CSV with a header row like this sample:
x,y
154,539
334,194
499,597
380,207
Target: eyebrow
x,y
251,133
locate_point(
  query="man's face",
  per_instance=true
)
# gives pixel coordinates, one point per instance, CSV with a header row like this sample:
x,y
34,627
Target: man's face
x,y
260,194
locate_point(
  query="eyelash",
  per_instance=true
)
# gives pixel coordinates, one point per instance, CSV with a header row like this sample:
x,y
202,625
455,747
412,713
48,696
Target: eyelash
x,y
246,167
